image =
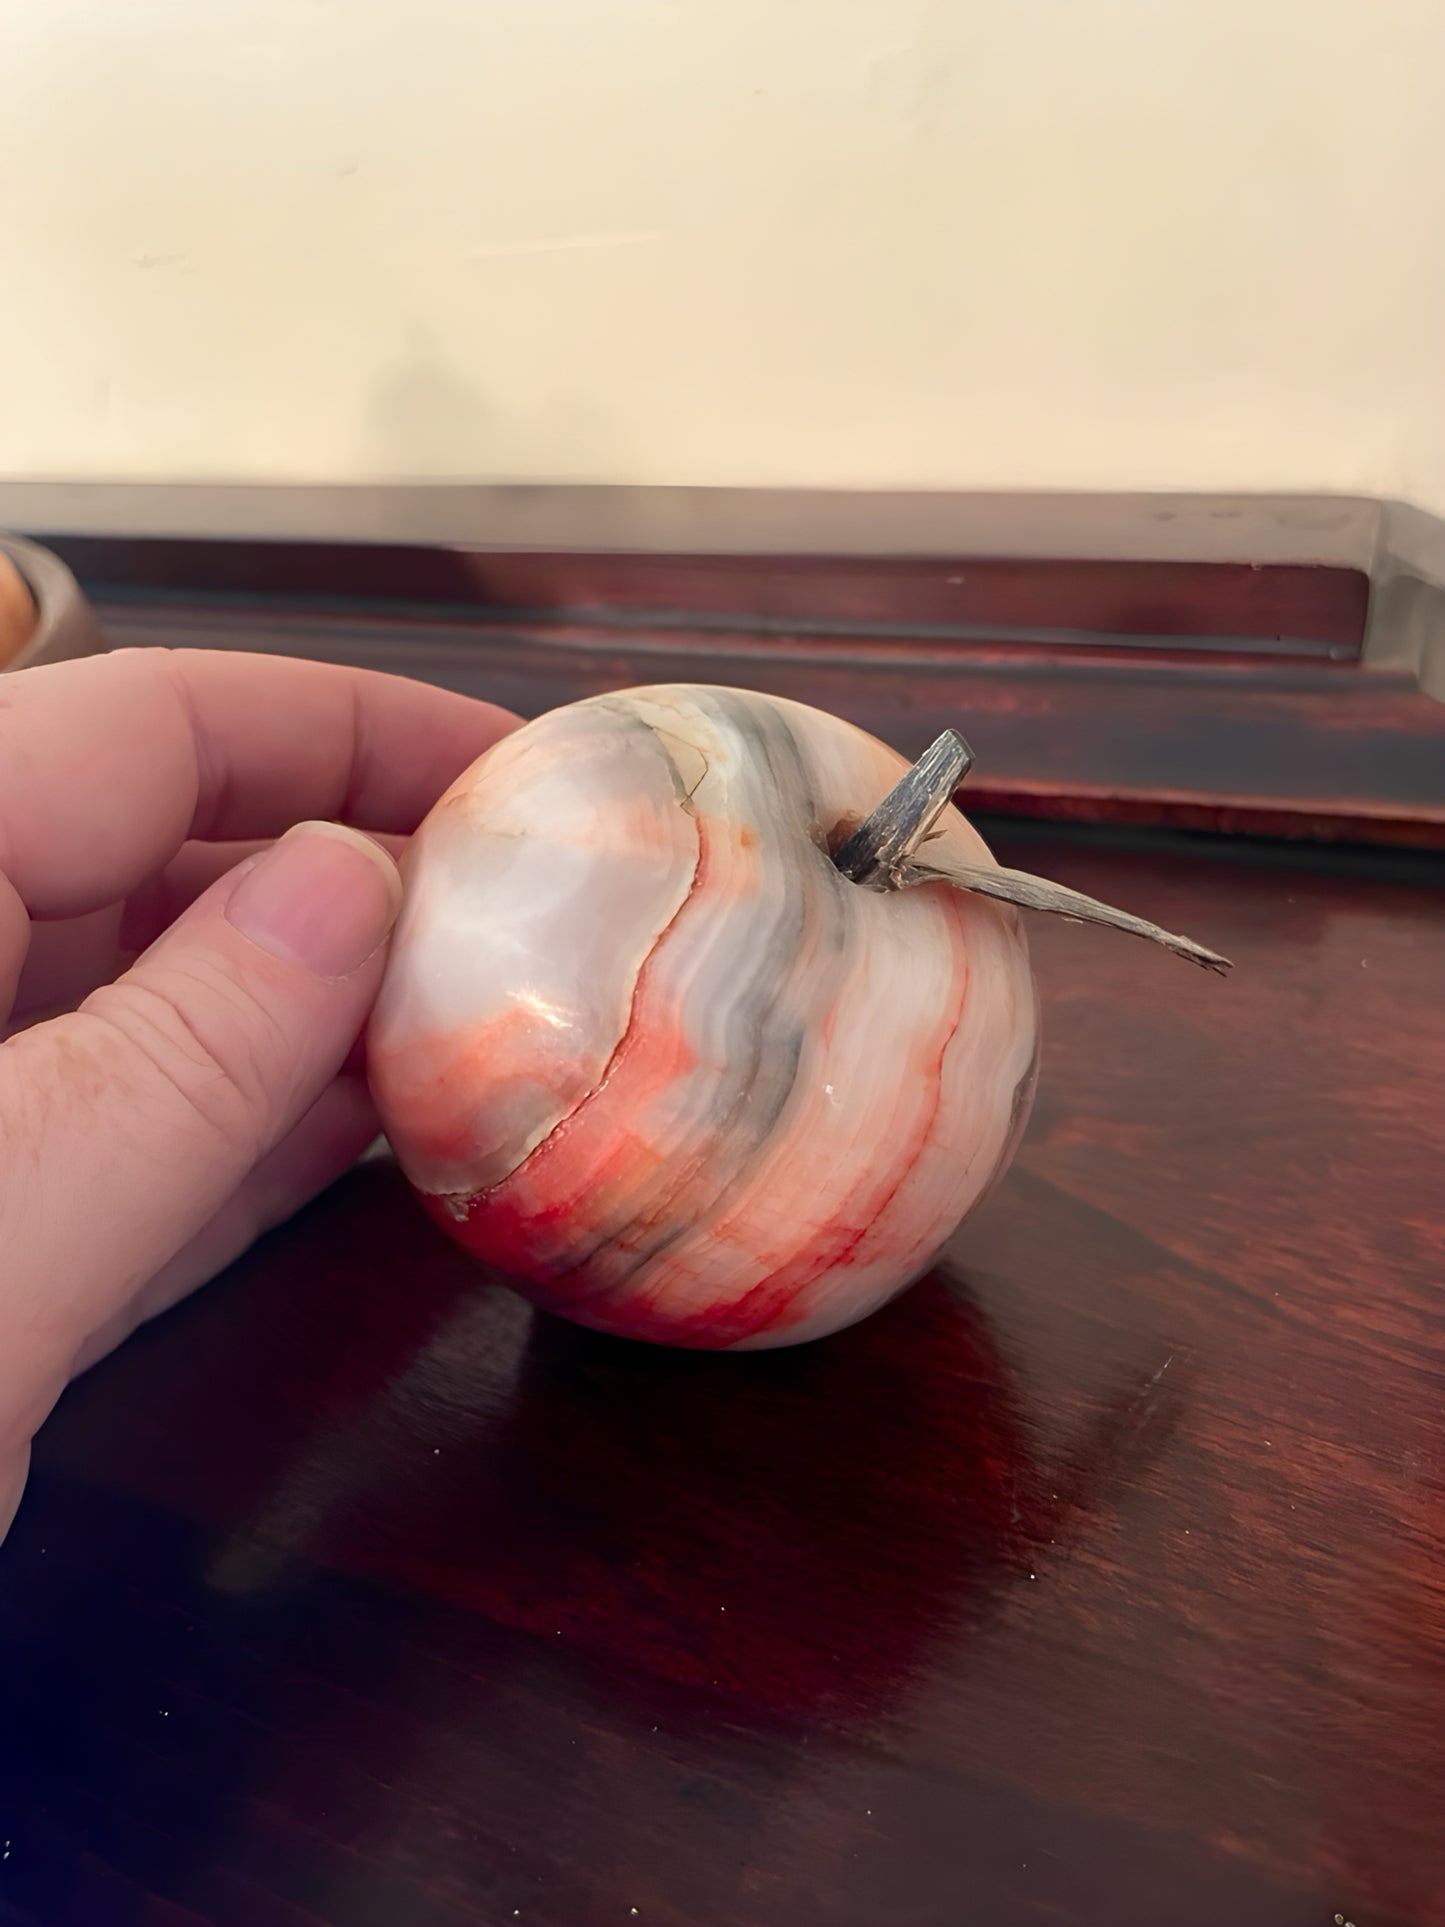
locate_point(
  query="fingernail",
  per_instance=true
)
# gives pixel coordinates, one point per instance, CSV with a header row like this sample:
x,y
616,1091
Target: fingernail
x,y
322,897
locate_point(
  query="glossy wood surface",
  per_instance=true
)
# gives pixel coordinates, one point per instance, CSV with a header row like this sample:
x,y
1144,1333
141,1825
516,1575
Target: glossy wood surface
x,y
1099,1580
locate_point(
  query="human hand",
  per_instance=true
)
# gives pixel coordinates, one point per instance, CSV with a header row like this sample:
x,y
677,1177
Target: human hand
x,y
180,997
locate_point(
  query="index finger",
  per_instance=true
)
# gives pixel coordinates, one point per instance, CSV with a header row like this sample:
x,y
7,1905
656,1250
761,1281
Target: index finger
x,y
109,764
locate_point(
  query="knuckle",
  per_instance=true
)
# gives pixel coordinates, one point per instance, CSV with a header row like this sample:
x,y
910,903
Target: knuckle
x,y
204,1046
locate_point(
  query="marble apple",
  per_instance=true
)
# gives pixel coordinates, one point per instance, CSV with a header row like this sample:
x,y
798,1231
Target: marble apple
x,y
707,1019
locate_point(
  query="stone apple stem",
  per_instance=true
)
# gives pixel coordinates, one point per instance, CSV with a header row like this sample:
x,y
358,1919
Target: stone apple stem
x,y
889,851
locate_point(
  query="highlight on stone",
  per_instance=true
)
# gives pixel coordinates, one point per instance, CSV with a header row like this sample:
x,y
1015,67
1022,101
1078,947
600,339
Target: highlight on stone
x,y
708,1019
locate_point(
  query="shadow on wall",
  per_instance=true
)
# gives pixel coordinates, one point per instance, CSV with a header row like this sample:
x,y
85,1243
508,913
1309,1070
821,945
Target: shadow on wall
x,y
427,422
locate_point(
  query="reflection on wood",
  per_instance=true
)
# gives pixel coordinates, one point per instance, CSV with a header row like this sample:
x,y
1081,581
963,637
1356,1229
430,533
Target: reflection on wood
x,y
1099,1580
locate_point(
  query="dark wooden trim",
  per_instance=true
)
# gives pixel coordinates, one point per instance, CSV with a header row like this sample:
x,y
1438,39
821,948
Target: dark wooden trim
x,y
1197,695
1299,749
1283,609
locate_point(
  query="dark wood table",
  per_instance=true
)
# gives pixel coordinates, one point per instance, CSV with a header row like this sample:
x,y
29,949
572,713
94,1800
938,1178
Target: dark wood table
x,y
1101,1579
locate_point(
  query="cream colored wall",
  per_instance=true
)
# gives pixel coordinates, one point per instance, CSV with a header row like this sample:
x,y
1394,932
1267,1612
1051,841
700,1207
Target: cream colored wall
x,y
1099,244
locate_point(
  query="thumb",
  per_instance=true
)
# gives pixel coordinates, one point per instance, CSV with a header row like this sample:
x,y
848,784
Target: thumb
x,y
125,1126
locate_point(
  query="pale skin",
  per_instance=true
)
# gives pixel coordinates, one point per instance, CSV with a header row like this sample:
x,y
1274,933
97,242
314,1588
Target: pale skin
x,y
193,928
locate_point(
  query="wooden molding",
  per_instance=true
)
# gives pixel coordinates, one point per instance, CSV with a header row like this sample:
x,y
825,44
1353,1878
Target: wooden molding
x,y
1284,697
1300,748
1284,609
1335,531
